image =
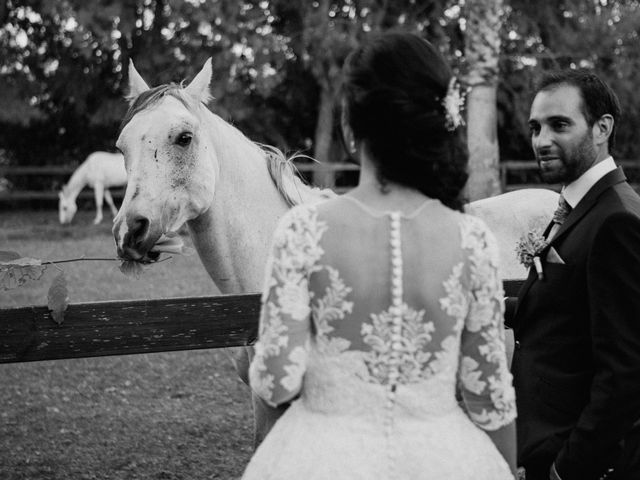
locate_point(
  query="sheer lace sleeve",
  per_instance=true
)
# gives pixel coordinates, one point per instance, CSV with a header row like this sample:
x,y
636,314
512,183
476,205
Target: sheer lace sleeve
x,y
279,364
484,377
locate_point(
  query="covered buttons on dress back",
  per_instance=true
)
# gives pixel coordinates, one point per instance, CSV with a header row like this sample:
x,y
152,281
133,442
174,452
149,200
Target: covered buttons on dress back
x,y
396,313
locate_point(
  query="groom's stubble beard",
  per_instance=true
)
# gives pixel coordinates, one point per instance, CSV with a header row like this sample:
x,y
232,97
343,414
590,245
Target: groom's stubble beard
x,y
574,161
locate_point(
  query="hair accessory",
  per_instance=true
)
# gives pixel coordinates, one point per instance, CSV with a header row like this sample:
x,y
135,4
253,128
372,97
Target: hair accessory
x,y
453,104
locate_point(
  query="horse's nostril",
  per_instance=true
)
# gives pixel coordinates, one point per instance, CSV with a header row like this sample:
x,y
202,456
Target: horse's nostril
x,y
138,228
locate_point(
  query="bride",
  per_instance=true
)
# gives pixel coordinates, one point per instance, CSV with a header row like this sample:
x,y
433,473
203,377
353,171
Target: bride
x,y
383,303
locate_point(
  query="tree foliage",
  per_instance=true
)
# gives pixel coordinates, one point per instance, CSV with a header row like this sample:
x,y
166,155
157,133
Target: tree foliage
x,y
64,64
276,63
600,35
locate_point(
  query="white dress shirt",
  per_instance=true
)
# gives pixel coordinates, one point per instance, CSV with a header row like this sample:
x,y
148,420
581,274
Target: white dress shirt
x,y
576,190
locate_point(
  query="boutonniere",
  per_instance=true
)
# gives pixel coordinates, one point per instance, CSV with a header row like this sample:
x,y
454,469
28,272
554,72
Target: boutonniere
x,y
528,250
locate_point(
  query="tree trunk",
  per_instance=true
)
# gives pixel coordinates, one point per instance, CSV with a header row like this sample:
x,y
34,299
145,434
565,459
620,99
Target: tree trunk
x,y
482,48
482,141
323,138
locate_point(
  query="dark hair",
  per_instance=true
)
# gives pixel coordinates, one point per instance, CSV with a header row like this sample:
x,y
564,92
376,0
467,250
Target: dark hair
x,y
597,97
392,90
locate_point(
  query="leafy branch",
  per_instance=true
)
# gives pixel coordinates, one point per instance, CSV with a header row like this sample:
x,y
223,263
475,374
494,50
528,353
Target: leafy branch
x,y
82,259
16,270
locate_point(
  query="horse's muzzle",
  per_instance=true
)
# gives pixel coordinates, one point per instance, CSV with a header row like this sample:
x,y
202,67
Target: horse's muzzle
x,y
134,237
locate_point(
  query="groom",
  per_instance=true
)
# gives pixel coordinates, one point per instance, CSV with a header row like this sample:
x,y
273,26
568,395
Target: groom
x,y
576,363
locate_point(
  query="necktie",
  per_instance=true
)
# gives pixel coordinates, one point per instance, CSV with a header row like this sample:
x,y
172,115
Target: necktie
x,y
562,211
559,216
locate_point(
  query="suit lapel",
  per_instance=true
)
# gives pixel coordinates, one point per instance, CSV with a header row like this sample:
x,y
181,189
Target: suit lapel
x,y
532,274
589,200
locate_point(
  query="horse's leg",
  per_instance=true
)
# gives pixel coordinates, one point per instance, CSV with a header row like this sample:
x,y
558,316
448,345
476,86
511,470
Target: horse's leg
x,y
109,199
98,191
264,416
241,359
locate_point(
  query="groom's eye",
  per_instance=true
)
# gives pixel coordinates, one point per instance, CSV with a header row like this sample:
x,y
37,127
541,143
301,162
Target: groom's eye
x,y
561,125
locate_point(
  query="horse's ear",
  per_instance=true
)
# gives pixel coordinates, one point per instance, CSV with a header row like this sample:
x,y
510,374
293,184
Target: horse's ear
x,y
199,86
136,84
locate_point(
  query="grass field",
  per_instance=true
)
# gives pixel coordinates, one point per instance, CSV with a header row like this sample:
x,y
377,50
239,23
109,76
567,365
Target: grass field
x,y
182,415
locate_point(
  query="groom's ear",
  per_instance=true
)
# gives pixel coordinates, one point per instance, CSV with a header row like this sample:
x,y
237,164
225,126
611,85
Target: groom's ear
x,y
602,129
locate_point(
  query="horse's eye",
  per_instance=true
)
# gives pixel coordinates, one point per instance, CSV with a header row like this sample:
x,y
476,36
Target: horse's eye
x,y
184,139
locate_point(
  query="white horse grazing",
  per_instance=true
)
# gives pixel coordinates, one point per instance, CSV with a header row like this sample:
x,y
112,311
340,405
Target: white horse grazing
x,y
100,171
186,164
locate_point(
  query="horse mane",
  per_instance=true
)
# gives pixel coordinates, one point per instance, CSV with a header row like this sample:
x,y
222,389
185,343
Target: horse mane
x,y
283,172
281,169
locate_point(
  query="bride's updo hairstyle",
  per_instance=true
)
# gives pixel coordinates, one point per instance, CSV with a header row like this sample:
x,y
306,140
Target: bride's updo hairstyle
x,y
393,93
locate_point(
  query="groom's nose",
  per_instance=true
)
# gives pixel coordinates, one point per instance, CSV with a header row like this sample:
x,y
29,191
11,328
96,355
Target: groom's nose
x,y
542,150
542,141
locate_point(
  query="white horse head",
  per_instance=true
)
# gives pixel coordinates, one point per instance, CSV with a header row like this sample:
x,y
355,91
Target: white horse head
x,y
186,164
165,144
67,207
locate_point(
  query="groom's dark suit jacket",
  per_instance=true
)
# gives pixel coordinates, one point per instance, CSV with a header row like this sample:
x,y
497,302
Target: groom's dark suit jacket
x,y
576,361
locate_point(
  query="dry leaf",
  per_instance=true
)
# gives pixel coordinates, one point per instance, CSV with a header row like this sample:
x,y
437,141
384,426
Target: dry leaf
x,y
17,272
131,268
172,243
58,298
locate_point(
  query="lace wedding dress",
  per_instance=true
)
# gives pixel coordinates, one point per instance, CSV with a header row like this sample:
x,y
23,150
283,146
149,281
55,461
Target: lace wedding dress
x,y
370,320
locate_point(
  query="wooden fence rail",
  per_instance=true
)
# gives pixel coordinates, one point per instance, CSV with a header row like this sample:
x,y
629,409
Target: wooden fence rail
x,y
64,171
141,326
50,170
506,168
127,327
531,166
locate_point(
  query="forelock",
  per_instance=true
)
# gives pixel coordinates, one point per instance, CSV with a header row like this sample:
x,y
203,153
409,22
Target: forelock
x,y
150,97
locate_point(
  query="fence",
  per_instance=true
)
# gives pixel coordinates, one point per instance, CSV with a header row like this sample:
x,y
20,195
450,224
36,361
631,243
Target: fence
x,y
525,171
139,326
63,172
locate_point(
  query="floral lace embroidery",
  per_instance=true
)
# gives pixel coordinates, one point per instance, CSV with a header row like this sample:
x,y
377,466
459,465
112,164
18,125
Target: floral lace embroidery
x,y
484,318
470,375
296,249
272,339
287,298
482,372
295,370
331,307
445,360
485,282
456,303
295,252
379,335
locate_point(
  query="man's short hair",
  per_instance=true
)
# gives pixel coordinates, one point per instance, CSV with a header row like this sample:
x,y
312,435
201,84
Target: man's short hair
x,y
597,97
